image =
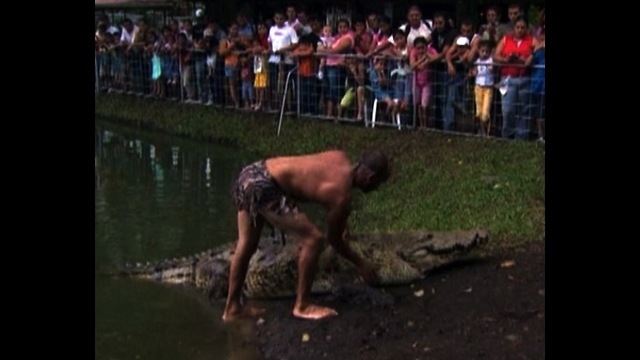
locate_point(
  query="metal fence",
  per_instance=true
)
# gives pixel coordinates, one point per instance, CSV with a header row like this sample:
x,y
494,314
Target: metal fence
x,y
372,91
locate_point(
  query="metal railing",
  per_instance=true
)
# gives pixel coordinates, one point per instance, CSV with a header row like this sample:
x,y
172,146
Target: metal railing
x,y
517,106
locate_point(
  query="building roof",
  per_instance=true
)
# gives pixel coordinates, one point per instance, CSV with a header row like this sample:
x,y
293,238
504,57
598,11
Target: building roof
x,y
121,4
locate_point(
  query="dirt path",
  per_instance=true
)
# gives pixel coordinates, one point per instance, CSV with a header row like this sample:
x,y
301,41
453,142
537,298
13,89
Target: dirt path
x,y
486,309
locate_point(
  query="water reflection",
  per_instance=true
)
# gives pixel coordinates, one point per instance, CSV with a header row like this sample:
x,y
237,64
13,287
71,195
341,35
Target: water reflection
x,y
158,196
166,199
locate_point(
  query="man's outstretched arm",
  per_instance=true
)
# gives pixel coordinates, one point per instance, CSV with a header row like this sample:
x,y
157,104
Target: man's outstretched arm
x,y
337,221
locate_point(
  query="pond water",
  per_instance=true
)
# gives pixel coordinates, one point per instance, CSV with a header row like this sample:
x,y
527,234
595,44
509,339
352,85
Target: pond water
x,y
159,196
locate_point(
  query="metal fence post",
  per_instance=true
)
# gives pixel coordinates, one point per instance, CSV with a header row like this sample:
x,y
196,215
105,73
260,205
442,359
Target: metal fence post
x,y
97,74
284,97
297,88
180,80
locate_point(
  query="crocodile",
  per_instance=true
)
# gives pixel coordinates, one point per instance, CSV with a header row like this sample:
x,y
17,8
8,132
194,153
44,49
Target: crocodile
x,y
399,259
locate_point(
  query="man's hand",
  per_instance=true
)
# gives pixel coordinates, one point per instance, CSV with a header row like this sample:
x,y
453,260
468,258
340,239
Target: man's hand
x,y
367,273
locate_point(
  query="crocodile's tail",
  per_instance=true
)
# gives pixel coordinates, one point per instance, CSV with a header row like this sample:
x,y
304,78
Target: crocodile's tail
x,y
186,270
176,271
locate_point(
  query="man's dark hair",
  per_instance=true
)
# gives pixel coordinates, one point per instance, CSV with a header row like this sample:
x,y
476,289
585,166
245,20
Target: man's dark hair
x,y
310,39
378,163
405,32
514,5
466,21
440,14
521,18
486,43
496,9
420,40
357,18
384,19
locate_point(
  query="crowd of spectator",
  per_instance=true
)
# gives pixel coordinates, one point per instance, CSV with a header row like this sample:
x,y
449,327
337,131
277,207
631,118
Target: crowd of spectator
x,y
431,73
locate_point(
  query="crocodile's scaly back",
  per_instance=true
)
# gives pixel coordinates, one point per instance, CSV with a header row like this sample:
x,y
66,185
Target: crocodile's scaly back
x,y
273,273
390,268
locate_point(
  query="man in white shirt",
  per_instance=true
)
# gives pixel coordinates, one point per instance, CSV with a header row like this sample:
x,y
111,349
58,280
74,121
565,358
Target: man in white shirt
x,y
423,30
126,39
283,40
127,32
303,27
104,19
292,17
372,23
418,27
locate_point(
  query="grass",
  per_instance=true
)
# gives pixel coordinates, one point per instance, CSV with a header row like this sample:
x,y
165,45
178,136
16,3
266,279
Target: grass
x,y
440,182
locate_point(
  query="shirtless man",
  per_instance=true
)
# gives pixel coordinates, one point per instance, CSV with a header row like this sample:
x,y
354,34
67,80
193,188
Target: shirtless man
x,y
267,191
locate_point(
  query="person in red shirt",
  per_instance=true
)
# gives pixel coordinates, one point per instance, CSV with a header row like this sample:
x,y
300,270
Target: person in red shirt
x,y
514,55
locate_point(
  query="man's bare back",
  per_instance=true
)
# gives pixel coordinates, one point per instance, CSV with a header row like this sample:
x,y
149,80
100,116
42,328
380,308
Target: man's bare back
x,y
318,177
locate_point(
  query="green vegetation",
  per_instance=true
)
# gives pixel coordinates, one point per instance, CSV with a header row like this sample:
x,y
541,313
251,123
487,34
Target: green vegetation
x,y
440,182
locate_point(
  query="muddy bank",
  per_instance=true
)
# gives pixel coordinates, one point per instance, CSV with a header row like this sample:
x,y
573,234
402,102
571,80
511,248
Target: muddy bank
x,y
489,308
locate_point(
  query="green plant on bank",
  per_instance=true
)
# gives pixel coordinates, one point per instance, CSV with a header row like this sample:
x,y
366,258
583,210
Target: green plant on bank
x,y
440,182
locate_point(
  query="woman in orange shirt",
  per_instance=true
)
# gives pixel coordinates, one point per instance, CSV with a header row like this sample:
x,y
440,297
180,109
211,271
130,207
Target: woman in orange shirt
x,y
229,49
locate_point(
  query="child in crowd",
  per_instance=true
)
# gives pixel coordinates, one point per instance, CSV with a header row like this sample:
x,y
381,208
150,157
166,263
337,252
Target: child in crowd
x,y
420,59
169,60
356,82
402,73
327,40
381,85
117,68
483,71
103,39
307,71
229,49
154,48
260,49
183,53
212,55
246,77
327,36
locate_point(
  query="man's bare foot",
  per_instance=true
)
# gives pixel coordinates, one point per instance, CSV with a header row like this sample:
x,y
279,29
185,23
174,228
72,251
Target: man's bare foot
x,y
242,313
314,312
